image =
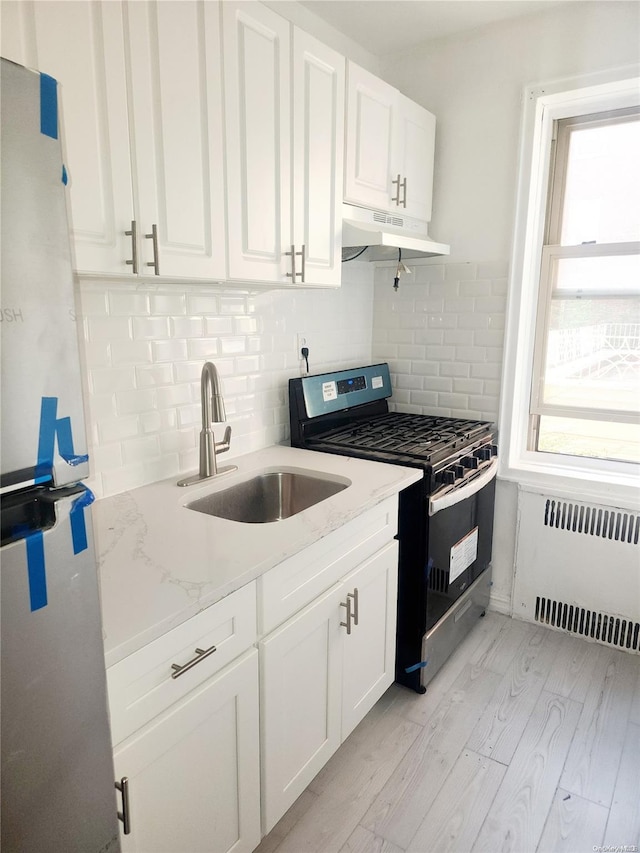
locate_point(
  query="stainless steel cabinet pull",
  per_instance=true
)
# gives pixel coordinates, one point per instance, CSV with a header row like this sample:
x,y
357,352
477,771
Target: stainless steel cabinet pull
x,y
404,193
303,254
123,787
133,233
396,198
201,654
155,263
354,596
294,274
347,624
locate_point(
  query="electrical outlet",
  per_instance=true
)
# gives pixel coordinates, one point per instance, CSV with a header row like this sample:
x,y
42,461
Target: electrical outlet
x,y
303,341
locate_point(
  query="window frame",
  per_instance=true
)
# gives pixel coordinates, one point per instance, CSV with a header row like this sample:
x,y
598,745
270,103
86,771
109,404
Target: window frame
x,y
573,476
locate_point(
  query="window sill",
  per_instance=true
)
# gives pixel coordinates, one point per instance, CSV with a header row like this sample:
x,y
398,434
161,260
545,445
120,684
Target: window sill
x,y
620,489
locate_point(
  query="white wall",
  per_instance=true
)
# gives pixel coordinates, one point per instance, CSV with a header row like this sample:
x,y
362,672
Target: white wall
x,y
474,84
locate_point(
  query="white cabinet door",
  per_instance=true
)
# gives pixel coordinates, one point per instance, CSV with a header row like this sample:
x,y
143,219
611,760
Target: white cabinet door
x,y
194,774
300,702
415,146
371,105
176,107
258,134
368,667
318,145
389,150
82,46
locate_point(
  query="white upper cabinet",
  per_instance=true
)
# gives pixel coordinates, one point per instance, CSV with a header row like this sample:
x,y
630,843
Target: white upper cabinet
x,y
256,73
318,157
284,102
82,46
176,140
142,125
389,149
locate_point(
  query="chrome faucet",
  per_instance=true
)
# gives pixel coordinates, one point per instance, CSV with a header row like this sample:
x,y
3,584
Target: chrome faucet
x,y
212,412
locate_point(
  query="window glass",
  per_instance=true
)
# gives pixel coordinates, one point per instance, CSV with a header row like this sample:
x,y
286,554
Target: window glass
x,y
602,187
595,439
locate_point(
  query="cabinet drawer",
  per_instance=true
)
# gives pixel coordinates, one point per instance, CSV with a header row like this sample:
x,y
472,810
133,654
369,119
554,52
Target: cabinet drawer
x,y
141,686
296,582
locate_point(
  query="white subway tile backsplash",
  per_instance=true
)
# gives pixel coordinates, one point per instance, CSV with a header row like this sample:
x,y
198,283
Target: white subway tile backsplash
x,y
144,348
150,328
133,402
168,303
148,376
173,395
107,328
218,325
186,327
129,352
108,379
465,306
138,449
172,350
128,302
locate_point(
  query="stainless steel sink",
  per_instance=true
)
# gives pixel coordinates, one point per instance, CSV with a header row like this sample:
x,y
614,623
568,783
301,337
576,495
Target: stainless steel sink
x,y
270,496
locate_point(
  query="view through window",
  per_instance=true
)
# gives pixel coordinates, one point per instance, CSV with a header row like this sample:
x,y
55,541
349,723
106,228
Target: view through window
x,y
585,397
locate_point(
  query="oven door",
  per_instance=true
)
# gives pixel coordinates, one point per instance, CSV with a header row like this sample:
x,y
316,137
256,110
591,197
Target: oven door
x,y
460,533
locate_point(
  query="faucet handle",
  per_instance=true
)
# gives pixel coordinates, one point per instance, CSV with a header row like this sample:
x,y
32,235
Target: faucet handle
x,y
225,444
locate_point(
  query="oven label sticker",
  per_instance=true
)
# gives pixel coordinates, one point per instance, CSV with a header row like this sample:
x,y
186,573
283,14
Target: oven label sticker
x,y
377,382
329,391
463,553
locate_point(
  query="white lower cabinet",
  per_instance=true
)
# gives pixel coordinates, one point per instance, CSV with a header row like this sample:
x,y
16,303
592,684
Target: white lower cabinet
x,y
193,773
321,672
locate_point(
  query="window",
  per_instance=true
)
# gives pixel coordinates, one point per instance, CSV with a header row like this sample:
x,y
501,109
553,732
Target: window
x,y
570,400
585,397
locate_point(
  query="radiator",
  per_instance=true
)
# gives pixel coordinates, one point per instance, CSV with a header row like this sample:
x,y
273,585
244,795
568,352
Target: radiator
x,y
577,569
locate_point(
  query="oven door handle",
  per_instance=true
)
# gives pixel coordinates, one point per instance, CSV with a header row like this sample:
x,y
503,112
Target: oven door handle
x,y
463,492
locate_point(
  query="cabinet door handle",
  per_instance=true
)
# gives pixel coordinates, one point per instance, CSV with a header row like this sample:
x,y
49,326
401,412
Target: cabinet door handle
x,y
303,255
404,192
354,597
133,233
396,198
123,787
347,604
155,263
294,274
201,654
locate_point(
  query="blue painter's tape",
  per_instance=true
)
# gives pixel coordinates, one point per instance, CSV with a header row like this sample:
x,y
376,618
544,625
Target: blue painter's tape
x,y
78,524
48,106
413,668
36,570
47,436
51,428
65,176
65,443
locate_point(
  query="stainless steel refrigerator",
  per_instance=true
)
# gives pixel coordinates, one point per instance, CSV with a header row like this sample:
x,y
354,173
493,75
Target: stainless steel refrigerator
x,y
57,776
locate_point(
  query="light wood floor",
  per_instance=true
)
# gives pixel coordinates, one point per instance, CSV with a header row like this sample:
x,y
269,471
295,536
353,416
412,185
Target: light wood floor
x,y
527,740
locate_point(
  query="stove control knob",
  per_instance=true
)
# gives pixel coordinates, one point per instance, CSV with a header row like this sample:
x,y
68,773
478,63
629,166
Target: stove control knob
x,y
447,477
470,462
458,470
484,453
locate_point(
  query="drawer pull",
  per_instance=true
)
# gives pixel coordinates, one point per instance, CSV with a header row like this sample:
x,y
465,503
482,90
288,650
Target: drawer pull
x,y
201,654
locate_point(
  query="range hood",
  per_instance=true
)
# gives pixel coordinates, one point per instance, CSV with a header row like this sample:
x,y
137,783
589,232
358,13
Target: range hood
x,y
383,234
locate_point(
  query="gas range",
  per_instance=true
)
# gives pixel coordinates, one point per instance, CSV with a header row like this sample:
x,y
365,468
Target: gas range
x,y
445,521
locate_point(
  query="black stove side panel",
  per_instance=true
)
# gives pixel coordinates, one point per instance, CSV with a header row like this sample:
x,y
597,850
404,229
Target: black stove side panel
x,y
412,584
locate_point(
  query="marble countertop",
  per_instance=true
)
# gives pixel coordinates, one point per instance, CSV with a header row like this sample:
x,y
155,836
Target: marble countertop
x,y
161,563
